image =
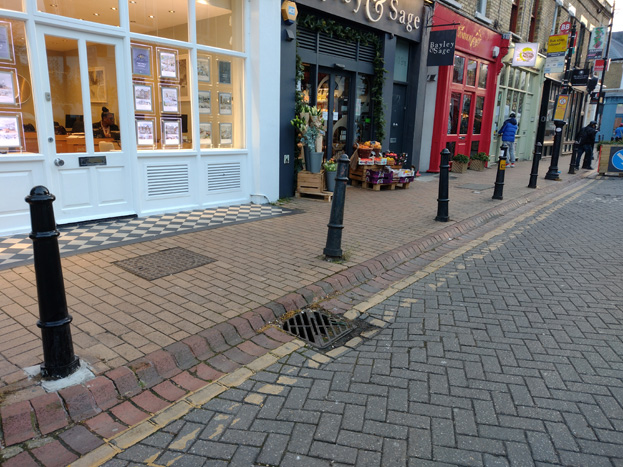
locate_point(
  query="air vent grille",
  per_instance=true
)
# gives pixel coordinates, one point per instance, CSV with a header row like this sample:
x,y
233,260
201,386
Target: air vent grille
x,y
224,176
165,180
338,47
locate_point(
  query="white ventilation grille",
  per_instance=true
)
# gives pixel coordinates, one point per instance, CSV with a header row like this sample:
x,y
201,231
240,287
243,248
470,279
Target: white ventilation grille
x,y
224,176
165,180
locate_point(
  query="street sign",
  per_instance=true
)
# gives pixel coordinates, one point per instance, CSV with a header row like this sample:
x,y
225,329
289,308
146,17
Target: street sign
x,y
565,27
600,64
556,51
561,107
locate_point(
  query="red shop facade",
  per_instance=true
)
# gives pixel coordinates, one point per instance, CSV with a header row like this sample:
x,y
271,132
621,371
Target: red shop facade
x,y
466,92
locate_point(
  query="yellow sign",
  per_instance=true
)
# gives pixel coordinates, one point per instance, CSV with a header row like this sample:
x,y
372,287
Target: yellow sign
x,y
561,107
502,164
557,43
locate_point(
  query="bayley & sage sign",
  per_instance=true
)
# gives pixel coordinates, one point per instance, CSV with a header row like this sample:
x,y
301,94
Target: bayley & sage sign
x,y
441,48
400,17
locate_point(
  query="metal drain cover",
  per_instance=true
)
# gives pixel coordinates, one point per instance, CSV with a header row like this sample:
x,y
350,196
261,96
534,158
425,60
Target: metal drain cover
x,y
317,328
163,263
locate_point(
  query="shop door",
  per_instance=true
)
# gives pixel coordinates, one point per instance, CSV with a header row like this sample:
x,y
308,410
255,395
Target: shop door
x,y
460,123
333,98
399,102
86,150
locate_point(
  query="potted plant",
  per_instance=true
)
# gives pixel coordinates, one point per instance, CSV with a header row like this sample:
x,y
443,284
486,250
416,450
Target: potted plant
x,y
309,125
459,163
478,161
330,168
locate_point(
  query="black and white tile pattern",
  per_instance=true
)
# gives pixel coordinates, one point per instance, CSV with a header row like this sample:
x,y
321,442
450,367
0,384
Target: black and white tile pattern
x,y
16,250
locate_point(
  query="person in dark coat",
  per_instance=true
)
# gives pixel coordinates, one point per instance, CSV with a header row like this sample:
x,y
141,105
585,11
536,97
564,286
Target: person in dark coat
x,y
586,141
105,126
508,132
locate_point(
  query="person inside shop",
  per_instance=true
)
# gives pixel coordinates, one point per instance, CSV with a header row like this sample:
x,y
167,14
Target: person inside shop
x,y
508,132
105,127
586,141
618,133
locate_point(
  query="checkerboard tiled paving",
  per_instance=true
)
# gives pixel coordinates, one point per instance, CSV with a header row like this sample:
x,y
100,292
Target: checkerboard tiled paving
x,y
17,249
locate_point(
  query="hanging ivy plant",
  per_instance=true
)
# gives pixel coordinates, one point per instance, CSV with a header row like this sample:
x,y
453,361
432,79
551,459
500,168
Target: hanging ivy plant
x,y
334,29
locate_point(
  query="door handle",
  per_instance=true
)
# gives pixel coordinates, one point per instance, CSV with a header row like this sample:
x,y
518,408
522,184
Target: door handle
x,y
394,124
58,162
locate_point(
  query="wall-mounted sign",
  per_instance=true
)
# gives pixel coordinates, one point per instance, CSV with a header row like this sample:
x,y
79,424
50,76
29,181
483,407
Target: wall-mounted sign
x,y
600,64
556,51
289,12
441,48
579,77
597,43
525,54
565,28
400,17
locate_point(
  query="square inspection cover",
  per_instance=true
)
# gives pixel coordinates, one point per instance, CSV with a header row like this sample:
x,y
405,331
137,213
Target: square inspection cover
x,y
163,263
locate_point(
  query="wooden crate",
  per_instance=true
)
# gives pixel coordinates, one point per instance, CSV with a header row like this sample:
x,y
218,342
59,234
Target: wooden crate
x,y
312,185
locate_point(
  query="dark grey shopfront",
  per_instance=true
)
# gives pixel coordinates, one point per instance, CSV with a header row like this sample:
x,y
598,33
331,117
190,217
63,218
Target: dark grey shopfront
x,y
340,71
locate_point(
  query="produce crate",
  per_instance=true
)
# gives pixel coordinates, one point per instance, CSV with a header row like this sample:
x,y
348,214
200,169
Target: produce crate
x,y
312,185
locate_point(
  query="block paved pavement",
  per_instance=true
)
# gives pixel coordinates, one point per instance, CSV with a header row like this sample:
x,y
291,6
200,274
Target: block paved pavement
x,y
263,269
509,351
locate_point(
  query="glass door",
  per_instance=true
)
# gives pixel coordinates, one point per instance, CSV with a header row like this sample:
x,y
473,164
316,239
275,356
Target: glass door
x,y
87,151
333,98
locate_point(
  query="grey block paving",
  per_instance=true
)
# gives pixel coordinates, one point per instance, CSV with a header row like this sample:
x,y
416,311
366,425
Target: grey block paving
x,y
510,355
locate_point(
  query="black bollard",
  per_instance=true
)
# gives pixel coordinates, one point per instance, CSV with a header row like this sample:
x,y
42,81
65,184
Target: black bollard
x,y
553,173
538,150
574,157
444,198
59,360
333,248
499,178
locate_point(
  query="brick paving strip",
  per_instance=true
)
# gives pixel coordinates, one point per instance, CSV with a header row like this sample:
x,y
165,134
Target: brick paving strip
x,y
123,406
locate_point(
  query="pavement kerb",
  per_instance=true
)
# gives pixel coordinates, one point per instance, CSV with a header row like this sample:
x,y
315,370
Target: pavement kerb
x,y
271,312
136,434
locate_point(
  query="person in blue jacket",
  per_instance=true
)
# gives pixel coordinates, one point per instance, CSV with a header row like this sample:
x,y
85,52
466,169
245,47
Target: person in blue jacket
x,y
508,132
618,133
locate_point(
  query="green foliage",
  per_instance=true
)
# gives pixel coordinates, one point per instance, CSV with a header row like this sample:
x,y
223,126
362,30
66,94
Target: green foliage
x,y
481,156
462,158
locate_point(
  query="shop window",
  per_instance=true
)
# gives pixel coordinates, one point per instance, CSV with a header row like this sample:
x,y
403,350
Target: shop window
x,y
453,115
472,66
473,150
482,75
480,105
517,78
17,111
103,96
101,11
401,63
15,5
522,81
459,67
363,109
467,103
220,24
160,18
451,146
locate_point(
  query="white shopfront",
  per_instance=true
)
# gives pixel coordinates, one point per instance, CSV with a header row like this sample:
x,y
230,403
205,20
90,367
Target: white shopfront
x,y
137,107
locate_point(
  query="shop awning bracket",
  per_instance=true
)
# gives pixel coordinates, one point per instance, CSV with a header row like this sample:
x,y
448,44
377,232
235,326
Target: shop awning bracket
x,y
440,25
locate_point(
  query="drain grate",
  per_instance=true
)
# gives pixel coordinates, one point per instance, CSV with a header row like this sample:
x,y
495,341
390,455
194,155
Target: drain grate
x,y
317,328
163,263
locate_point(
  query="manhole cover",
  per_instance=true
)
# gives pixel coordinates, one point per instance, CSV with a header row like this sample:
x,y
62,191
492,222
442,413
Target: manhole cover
x,y
317,328
163,263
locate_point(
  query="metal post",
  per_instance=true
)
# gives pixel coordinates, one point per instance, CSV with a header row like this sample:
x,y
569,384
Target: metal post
x,y
333,248
553,173
499,178
59,360
574,157
443,200
534,173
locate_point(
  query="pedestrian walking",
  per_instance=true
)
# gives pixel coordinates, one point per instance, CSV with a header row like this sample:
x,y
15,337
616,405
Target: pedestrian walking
x,y
586,141
618,133
508,132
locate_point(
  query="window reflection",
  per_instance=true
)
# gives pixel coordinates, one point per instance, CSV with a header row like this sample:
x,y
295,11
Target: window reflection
x,y
480,104
220,24
471,72
459,66
159,18
453,116
467,102
12,5
100,11
482,76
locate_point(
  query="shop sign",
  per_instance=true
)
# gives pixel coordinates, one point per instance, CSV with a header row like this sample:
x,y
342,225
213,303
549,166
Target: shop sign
x,y
579,77
565,28
441,48
600,64
561,107
400,17
525,54
597,43
556,51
